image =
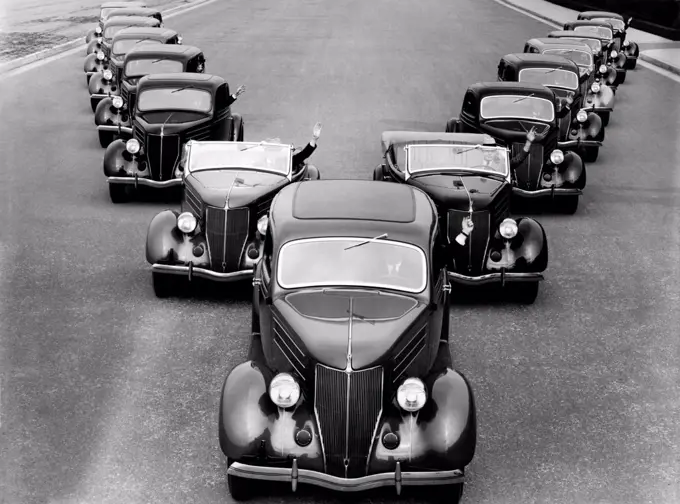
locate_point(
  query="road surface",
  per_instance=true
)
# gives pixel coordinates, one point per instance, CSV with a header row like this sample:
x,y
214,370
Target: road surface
x,y
110,395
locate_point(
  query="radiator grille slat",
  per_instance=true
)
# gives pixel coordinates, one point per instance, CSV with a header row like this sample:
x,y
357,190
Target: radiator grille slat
x,y
162,153
214,230
227,232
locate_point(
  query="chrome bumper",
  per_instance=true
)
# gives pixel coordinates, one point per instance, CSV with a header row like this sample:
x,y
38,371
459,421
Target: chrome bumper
x,y
136,181
191,271
121,130
553,191
578,143
501,277
396,479
100,96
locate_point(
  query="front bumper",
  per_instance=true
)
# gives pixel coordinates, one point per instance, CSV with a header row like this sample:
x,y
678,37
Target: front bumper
x,y
137,181
575,144
502,277
119,130
396,479
547,192
190,272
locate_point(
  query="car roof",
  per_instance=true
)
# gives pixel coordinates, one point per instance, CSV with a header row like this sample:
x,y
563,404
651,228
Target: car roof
x,y
588,22
197,80
532,60
108,5
571,33
555,43
134,10
131,21
164,51
358,208
604,14
482,89
157,32
402,138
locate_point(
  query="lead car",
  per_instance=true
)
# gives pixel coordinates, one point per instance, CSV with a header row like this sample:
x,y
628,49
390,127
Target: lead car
x,y
348,383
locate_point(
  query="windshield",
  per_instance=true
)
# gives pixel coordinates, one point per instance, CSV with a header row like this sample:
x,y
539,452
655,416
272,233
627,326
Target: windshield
x,y
616,23
513,106
330,262
242,155
140,67
466,157
581,58
594,44
124,46
601,31
549,77
197,100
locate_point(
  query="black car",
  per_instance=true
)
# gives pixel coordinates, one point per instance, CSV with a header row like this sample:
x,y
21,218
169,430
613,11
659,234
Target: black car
x,y
105,11
506,111
98,61
599,97
468,177
170,110
107,83
349,383
94,44
629,48
560,74
219,233
605,32
113,112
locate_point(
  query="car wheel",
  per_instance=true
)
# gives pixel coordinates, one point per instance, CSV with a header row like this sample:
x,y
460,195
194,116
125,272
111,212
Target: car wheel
x,y
631,63
568,204
118,193
87,79
524,292
447,319
590,154
163,284
449,494
623,79
105,138
255,319
605,117
379,173
241,489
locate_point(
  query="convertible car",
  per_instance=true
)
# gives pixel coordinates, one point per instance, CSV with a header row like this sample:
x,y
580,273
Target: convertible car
x,y
114,111
349,383
219,233
599,97
98,61
629,48
105,10
562,76
107,83
506,111
468,177
171,109
95,45
605,32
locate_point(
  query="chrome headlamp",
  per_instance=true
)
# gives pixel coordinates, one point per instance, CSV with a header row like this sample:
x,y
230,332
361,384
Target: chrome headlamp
x,y
614,54
582,116
132,146
98,29
508,228
595,88
262,224
117,101
284,391
108,74
186,222
100,40
603,69
412,395
556,157
626,43
100,55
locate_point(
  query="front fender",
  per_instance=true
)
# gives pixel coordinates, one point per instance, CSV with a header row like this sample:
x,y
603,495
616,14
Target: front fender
x,y
90,35
106,113
604,99
92,64
165,243
526,252
93,46
570,173
118,162
632,51
589,130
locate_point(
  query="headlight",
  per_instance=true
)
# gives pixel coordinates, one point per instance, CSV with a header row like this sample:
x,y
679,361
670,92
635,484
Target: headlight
x,y
411,395
595,88
556,157
100,40
582,116
284,391
603,69
508,227
132,146
626,43
98,29
100,55
614,54
262,225
186,222
117,101
108,74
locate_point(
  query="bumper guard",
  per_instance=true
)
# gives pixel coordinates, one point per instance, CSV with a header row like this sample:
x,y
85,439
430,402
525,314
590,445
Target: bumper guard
x,y
191,271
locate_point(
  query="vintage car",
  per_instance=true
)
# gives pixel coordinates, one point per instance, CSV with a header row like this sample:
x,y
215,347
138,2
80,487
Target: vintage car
x,y
107,83
506,111
468,177
98,61
171,109
105,10
143,60
599,97
629,48
95,44
349,382
605,32
562,76
219,232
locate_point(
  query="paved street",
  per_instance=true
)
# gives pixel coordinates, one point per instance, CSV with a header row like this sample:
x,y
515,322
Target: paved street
x,y
110,396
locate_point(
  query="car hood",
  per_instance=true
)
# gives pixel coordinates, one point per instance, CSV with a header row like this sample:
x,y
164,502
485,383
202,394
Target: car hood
x,y
242,187
333,324
448,193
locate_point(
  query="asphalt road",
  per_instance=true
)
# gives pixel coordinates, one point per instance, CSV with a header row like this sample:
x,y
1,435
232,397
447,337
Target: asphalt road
x,y
110,395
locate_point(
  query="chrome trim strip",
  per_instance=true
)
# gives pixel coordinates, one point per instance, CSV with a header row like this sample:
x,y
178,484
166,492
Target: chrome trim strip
x,y
115,129
578,143
143,181
286,356
558,191
202,272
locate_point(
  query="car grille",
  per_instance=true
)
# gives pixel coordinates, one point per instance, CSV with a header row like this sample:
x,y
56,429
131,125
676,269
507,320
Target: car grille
x,y
163,153
469,258
348,407
226,232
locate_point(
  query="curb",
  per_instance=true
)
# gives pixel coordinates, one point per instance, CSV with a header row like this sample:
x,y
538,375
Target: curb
x,y
657,62
73,44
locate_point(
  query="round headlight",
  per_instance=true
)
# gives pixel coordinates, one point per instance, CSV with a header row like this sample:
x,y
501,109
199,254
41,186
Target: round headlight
x,y
100,40
626,43
132,146
411,395
614,54
595,88
186,222
98,29
100,55
508,228
262,225
108,74
284,391
556,157
582,116
603,69
117,101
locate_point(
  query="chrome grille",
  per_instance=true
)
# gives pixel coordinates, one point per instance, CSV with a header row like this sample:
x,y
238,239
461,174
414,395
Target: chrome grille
x,y
162,153
408,353
348,407
227,232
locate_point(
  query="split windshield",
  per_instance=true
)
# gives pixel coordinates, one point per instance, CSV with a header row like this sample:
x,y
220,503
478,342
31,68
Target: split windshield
x,y
517,107
241,155
600,31
125,46
195,100
140,67
441,157
549,77
581,58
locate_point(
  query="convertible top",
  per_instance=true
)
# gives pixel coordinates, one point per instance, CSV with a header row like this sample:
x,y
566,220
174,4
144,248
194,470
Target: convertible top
x,y
532,60
153,32
401,138
163,51
557,34
196,80
356,208
599,14
481,89
131,21
559,43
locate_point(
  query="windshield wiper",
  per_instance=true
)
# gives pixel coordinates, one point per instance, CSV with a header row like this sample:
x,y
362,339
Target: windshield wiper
x,y
156,61
379,237
189,86
142,40
241,149
523,98
476,147
360,317
239,181
554,69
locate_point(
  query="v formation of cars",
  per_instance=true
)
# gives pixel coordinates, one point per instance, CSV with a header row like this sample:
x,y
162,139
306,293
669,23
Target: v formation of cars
x,y
375,402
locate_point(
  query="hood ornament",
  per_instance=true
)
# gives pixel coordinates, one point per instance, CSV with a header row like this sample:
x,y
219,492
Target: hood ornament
x,y
467,224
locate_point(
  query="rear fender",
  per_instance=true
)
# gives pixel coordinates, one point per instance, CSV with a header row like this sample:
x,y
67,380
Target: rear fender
x,y
118,162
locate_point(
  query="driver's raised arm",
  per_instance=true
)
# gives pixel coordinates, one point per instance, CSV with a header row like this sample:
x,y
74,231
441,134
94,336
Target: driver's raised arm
x,y
238,92
566,109
522,155
309,149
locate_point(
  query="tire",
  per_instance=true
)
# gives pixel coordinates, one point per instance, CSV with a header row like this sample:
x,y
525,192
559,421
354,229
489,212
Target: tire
x,y
448,494
605,117
87,79
163,284
379,174
568,204
623,79
118,193
255,319
241,489
590,154
632,65
105,138
524,292
446,324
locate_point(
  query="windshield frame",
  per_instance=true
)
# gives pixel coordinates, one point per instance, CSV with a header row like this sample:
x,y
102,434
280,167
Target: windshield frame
x,y
618,24
560,52
152,59
594,30
545,72
481,106
173,87
409,173
190,146
361,285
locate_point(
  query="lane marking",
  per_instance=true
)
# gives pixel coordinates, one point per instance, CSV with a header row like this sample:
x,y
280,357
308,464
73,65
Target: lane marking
x,y
646,64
